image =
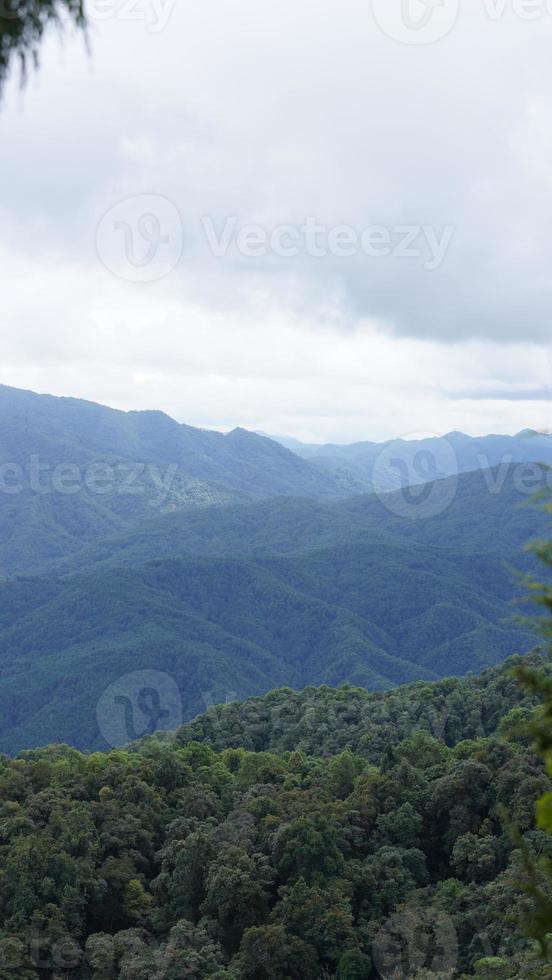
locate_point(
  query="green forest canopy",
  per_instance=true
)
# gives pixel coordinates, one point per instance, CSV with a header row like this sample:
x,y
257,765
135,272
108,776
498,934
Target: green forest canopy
x,y
379,858
331,833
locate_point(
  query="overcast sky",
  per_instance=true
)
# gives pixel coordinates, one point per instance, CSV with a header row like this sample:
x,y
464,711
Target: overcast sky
x,y
294,217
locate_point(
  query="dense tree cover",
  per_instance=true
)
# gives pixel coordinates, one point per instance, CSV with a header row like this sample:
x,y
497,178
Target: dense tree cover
x,y
227,627
377,611
159,467
323,721
475,521
77,472
171,860
538,682
22,26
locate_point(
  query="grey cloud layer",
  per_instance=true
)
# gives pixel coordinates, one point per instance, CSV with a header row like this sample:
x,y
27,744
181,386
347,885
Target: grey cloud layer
x,y
278,113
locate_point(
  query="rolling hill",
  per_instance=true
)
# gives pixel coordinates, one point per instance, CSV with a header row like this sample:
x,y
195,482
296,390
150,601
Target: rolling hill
x,y
74,474
475,519
246,570
375,604
73,471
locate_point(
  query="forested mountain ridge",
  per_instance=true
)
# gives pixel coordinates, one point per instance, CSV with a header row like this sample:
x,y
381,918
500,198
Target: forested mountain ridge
x,y
485,512
453,453
218,626
325,721
238,463
73,473
240,596
171,860
286,592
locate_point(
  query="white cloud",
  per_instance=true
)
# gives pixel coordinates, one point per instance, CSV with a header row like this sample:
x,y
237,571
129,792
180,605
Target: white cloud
x,y
276,113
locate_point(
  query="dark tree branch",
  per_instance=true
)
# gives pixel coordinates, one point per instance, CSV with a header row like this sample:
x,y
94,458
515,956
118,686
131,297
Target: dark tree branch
x,y
22,27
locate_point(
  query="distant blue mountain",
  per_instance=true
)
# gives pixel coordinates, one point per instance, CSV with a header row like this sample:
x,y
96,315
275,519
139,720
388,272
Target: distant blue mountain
x,y
129,542
453,453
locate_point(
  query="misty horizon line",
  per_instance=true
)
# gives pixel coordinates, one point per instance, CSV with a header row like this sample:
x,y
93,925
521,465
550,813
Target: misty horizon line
x,y
282,437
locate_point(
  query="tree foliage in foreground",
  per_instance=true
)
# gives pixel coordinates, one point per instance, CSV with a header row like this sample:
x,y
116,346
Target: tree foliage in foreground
x,y
23,24
539,683
175,860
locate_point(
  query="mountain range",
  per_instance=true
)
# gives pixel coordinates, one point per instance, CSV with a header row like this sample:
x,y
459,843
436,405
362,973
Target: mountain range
x,y
73,473
266,575
430,457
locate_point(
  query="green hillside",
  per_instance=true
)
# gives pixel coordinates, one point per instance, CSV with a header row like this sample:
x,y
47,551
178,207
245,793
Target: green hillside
x,y
372,616
474,520
372,847
229,595
80,483
324,721
73,472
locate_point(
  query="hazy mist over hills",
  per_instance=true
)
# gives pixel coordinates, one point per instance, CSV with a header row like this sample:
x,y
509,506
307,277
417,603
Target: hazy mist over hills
x,y
130,542
454,453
